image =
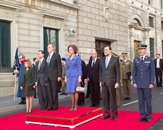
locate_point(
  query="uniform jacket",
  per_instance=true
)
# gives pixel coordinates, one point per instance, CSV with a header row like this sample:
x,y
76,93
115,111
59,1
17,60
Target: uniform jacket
x,y
73,66
63,70
143,72
125,67
111,74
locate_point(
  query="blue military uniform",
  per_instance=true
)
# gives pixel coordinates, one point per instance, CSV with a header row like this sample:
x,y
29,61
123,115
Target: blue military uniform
x,y
143,76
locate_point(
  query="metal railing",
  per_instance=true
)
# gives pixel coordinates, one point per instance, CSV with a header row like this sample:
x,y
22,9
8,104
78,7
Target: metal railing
x,y
5,67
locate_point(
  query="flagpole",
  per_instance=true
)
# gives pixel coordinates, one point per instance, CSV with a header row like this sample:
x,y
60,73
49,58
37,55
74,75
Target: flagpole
x,y
15,86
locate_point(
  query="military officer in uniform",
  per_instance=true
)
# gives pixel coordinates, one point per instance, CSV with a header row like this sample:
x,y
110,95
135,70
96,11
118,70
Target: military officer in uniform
x,y
143,81
126,68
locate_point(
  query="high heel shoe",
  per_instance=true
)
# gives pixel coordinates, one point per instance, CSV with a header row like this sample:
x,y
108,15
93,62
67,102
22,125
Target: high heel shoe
x,y
75,108
71,109
30,111
27,111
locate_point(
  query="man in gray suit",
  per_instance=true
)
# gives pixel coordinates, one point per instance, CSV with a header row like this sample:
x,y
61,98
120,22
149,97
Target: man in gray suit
x,y
40,71
109,80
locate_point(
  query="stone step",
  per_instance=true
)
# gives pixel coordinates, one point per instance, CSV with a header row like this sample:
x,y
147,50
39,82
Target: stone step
x,y
6,91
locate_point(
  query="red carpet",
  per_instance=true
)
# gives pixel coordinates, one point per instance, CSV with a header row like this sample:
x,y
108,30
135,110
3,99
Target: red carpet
x,y
127,120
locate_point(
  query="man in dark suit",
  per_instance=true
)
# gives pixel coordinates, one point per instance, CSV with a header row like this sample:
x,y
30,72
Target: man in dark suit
x,y
158,70
54,74
40,80
93,77
109,74
143,80
34,68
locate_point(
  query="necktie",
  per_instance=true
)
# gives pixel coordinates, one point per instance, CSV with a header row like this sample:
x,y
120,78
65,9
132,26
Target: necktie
x,y
93,62
48,60
106,62
39,65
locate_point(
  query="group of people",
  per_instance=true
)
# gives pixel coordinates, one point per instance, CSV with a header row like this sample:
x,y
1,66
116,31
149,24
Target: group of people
x,y
106,73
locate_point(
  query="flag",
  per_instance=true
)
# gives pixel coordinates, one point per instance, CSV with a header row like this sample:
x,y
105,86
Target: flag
x,y
16,60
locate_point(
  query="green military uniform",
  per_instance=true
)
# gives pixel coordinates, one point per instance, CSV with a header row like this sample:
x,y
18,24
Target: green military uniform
x,y
63,78
118,90
126,69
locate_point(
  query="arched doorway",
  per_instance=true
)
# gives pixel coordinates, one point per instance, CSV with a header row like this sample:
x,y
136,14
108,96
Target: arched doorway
x,y
137,34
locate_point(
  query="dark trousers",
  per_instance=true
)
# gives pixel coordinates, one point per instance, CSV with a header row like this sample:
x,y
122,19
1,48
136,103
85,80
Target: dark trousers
x,y
52,92
109,97
95,93
145,99
88,89
35,93
81,99
159,77
43,99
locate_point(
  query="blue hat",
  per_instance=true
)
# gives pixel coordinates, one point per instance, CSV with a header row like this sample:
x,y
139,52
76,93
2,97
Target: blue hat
x,y
142,46
64,59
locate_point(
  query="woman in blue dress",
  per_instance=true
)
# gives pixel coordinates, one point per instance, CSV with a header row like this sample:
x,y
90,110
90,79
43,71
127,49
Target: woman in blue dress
x,y
73,75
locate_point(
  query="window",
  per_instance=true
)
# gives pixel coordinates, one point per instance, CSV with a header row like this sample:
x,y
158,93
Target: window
x,y
162,25
99,45
136,22
5,56
149,2
151,47
50,37
161,3
151,21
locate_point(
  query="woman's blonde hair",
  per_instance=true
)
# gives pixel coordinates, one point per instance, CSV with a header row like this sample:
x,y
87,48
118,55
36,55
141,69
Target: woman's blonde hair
x,y
29,63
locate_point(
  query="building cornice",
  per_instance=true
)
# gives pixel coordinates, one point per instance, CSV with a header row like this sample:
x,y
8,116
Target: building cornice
x,y
139,28
10,5
53,14
59,2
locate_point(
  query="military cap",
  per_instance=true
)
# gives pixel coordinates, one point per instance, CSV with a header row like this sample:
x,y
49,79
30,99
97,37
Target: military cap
x,y
124,54
142,46
64,59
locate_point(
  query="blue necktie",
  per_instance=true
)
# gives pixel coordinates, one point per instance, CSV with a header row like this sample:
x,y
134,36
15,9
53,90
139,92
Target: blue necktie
x,y
48,60
106,62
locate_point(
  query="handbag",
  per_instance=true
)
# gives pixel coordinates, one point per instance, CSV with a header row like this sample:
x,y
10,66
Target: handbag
x,y
31,86
80,89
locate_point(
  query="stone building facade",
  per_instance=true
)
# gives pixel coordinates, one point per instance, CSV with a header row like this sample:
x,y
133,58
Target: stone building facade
x,y
31,25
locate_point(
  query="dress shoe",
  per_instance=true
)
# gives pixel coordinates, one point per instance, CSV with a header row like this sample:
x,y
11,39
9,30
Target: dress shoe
x,y
92,106
54,109
97,105
82,104
105,117
141,119
129,99
148,120
49,109
125,99
114,118
66,93
21,102
62,94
